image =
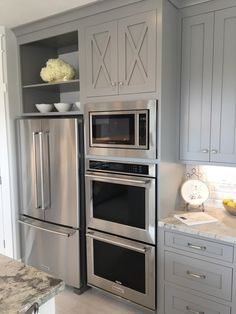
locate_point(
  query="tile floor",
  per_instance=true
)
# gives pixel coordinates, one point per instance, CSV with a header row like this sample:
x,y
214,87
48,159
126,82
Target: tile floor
x,y
94,301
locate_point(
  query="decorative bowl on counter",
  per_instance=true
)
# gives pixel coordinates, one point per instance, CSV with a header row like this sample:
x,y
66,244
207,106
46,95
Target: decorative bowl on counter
x,y
62,106
44,108
230,206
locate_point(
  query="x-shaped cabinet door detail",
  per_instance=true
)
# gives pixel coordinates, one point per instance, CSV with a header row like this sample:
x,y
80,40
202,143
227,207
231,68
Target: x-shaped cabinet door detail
x,y
101,41
137,53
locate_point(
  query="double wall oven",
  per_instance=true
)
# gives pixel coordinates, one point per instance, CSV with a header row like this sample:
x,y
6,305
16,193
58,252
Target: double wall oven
x,y
121,206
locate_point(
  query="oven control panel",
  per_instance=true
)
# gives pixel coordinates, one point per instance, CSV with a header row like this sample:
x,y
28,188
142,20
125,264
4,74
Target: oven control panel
x,y
119,167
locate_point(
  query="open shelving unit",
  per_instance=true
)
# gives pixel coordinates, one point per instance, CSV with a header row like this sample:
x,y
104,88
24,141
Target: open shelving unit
x,y
33,57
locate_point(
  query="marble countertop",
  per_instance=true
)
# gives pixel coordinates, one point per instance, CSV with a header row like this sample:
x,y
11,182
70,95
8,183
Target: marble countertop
x,y
22,285
224,229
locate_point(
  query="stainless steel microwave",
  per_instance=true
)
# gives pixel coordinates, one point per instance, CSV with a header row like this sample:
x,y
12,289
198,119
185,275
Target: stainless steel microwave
x,y
124,129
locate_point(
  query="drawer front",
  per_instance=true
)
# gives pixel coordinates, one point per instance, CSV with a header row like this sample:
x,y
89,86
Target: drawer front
x,y
199,275
179,302
199,246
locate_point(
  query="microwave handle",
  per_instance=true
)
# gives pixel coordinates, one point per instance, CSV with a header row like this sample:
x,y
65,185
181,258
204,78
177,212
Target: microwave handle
x,y
118,180
126,246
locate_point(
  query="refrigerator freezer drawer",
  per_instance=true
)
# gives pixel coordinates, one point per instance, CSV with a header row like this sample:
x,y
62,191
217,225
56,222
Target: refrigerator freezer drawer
x,y
53,249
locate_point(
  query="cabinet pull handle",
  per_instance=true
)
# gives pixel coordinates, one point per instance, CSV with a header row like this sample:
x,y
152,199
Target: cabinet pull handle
x,y
214,151
192,311
199,276
113,84
121,83
197,247
205,150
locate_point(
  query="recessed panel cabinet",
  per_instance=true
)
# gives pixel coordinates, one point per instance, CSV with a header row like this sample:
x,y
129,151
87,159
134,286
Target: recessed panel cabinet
x,y
208,97
121,56
197,49
223,128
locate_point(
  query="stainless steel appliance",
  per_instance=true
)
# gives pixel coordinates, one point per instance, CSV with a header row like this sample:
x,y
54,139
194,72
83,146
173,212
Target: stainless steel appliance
x,y
51,195
125,129
121,234
123,267
120,199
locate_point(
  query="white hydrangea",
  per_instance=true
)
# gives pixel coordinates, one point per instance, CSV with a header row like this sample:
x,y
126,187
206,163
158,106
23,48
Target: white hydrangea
x,y
57,70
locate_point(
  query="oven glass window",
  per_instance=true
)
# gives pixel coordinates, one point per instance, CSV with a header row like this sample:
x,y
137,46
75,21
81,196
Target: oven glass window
x,y
123,204
120,265
113,129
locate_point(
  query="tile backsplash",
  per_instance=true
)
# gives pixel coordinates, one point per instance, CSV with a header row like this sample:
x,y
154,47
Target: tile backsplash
x,y
221,182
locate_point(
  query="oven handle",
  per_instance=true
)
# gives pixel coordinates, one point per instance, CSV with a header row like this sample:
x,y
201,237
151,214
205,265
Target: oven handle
x,y
126,246
117,180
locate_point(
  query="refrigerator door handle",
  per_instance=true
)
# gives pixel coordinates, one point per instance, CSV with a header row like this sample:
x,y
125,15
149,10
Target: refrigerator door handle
x,y
64,234
37,205
41,152
46,165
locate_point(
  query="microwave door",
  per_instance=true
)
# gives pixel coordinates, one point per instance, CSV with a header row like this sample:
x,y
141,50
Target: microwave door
x,y
30,164
61,162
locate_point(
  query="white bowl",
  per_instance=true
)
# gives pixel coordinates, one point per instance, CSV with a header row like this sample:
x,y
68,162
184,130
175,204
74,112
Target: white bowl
x,y
44,108
62,106
77,105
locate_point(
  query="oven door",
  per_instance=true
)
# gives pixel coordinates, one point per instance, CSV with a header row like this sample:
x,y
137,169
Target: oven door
x,y
123,205
122,267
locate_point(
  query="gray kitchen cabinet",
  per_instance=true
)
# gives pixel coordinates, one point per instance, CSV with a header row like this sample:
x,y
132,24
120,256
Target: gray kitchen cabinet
x,y
196,84
121,56
137,53
223,128
179,302
101,60
196,274
208,99
202,247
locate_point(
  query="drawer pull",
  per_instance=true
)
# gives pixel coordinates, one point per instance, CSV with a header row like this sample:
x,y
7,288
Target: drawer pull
x,y
197,247
192,311
199,276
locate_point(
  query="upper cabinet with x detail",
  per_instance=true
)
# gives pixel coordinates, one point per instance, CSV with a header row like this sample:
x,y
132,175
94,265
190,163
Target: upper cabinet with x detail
x,y
121,56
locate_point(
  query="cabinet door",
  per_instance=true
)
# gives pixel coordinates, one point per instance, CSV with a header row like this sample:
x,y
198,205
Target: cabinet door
x,y
196,85
101,59
223,144
137,53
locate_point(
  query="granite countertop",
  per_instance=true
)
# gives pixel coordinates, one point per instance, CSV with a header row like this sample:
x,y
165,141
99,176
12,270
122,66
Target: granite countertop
x,y
224,229
22,285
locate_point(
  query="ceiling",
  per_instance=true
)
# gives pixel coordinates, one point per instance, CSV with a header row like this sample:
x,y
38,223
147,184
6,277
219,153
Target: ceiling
x,y
18,12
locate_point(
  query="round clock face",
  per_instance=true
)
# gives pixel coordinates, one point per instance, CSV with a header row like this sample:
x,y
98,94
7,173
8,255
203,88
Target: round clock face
x,y
194,192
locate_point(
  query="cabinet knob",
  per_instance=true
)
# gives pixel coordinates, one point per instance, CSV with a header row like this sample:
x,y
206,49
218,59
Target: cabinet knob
x,y
214,151
121,83
113,84
205,150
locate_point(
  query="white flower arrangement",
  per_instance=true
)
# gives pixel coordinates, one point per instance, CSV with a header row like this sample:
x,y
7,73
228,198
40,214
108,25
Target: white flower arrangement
x,y
57,70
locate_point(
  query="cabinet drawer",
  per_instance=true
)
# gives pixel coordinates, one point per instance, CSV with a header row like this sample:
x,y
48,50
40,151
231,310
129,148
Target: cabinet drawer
x,y
199,275
179,302
199,246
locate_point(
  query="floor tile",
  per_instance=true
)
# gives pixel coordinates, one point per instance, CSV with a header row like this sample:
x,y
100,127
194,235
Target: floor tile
x,y
94,301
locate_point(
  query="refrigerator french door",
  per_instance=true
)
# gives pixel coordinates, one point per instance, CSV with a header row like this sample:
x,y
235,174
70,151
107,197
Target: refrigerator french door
x,y
50,181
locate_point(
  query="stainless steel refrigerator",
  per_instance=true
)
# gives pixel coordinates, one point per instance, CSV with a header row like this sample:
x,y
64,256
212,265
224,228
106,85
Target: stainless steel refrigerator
x,y
51,196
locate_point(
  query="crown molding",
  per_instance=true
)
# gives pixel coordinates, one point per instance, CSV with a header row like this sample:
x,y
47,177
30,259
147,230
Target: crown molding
x,y
187,3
